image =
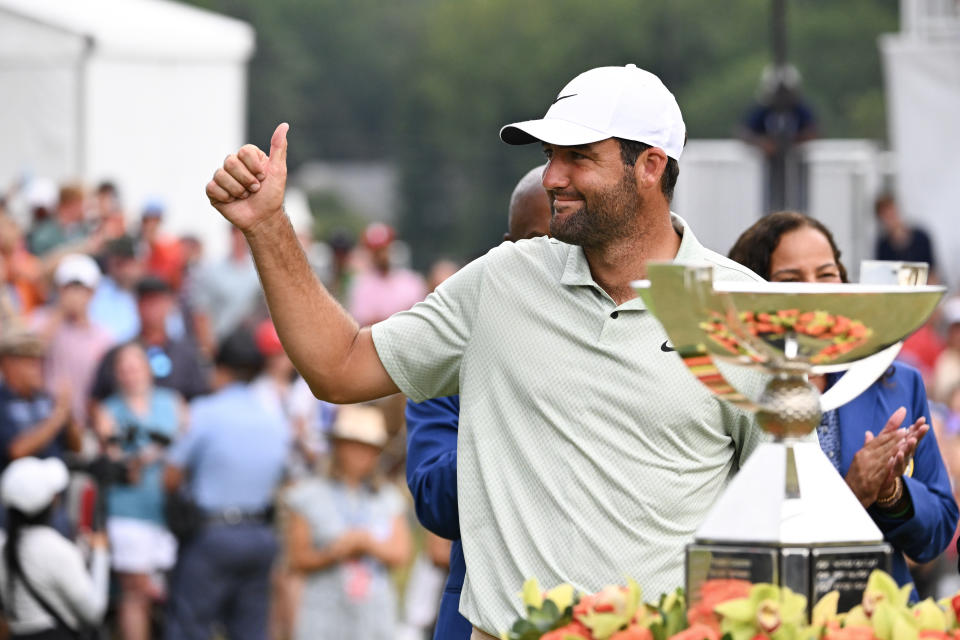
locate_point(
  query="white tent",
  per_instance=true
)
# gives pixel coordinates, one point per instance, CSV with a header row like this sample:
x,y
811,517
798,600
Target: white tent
x,y
922,69
148,93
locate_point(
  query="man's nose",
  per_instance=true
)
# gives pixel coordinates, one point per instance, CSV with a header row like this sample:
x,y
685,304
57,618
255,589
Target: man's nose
x,y
554,175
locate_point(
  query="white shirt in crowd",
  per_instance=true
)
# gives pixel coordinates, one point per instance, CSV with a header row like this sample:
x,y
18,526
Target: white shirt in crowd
x,y
57,572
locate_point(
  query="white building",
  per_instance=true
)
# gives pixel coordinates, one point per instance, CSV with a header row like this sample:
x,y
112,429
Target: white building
x,y
148,93
921,66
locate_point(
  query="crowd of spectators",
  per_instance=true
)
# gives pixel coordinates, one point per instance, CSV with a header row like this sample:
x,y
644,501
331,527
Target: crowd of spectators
x,y
231,498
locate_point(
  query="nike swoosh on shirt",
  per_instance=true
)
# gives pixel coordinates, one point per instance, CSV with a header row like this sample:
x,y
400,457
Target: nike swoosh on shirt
x,y
665,347
569,95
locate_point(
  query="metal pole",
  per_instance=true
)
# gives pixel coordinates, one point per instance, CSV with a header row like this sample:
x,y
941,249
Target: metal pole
x,y
778,32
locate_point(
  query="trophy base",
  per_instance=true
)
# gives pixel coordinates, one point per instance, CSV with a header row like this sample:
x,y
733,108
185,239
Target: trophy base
x,y
811,571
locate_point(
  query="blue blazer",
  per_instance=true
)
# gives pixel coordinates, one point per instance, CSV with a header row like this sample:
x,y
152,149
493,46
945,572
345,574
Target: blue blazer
x,y
925,534
432,478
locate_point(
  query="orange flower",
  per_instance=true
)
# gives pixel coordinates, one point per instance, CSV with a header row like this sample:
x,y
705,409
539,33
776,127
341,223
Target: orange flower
x,y
633,632
697,632
853,632
712,593
574,629
586,604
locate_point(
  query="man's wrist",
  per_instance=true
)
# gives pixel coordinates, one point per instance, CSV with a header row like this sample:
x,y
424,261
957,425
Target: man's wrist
x,y
266,226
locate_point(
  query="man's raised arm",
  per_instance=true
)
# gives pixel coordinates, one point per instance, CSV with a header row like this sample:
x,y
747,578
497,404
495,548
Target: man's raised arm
x,y
336,358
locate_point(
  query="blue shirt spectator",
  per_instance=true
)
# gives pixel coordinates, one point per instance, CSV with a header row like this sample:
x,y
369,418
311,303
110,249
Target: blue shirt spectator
x,y
234,451
19,414
432,478
115,309
232,459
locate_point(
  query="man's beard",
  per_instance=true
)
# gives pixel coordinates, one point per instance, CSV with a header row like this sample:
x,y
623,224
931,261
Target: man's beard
x,y
605,217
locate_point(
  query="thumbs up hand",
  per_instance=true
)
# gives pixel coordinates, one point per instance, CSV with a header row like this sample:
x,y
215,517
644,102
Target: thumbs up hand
x,y
249,187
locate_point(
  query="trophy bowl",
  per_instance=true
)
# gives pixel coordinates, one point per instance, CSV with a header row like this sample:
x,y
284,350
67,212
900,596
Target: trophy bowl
x,y
787,517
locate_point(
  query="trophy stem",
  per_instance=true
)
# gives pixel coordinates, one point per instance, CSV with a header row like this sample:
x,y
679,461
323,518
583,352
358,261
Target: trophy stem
x,y
789,405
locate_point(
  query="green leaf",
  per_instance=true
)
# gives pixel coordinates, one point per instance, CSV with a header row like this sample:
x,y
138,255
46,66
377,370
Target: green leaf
x,y
545,618
673,610
523,630
659,631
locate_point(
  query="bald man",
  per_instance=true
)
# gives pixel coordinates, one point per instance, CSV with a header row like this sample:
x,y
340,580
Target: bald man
x,y
432,431
529,215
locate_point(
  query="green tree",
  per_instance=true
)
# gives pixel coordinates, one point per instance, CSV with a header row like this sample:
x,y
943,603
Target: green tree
x,y
427,83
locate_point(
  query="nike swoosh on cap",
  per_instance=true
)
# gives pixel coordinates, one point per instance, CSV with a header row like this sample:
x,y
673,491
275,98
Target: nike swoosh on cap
x,y
569,95
665,347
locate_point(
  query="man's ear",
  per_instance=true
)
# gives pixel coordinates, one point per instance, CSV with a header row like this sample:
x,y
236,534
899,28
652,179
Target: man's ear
x,y
649,168
506,237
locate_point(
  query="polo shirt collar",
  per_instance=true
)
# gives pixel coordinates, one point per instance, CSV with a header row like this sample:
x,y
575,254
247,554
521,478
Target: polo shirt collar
x,y
576,271
690,248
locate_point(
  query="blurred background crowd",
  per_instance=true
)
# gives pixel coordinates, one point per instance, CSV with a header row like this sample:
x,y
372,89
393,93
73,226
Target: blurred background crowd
x,y
135,345
148,370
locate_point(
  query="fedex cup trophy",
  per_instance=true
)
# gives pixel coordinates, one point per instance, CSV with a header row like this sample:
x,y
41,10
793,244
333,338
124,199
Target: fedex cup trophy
x,y
787,517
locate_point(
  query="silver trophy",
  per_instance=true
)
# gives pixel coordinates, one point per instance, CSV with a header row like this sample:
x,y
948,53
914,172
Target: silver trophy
x,y
787,517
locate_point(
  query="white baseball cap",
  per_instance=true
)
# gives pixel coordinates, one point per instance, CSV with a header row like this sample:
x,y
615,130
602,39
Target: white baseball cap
x,y
608,102
29,485
360,423
77,267
41,193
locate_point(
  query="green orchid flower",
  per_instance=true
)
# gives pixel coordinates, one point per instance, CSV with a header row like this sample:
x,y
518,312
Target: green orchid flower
x,y
826,609
884,607
775,612
929,616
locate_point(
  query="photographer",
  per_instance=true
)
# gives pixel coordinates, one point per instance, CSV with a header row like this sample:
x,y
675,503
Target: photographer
x,y
45,588
137,423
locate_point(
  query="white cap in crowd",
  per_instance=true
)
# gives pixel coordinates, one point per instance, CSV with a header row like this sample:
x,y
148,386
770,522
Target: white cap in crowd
x,y
608,102
29,485
77,268
951,311
41,193
360,423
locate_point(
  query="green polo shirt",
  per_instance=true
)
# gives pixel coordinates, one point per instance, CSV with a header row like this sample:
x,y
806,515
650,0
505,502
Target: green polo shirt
x,y
586,452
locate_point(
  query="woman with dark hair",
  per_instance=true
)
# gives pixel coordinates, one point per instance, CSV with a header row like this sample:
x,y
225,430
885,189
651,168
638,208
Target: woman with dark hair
x,y
897,474
46,590
137,424
755,246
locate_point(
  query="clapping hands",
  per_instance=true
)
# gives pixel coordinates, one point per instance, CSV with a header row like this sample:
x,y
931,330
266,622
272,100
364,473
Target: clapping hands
x,y
884,458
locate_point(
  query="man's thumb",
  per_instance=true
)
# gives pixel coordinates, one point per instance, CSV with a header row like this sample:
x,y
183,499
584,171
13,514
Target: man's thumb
x,y
278,147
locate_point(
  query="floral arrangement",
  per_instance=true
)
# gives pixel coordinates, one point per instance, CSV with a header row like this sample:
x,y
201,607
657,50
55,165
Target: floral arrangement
x,y
841,334
733,610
